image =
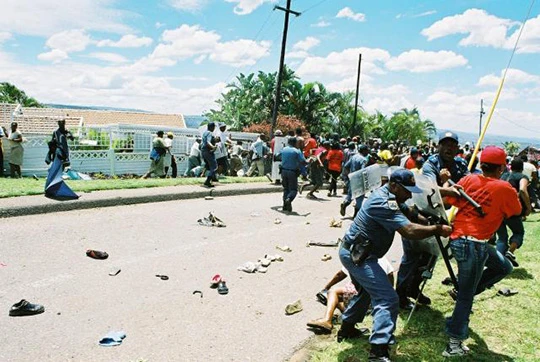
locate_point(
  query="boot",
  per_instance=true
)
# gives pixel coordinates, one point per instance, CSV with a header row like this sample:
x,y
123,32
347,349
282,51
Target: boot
x,y
379,353
348,330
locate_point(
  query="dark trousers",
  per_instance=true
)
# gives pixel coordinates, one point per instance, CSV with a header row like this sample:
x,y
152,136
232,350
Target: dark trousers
x,y
289,181
413,263
174,168
333,180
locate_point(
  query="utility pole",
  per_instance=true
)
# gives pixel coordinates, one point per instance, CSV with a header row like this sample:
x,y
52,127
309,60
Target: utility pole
x,y
353,128
481,114
281,62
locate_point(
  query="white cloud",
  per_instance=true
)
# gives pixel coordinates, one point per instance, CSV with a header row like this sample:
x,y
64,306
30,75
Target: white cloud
x,y
419,61
297,54
55,56
69,41
127,41
482,28
342,64
109,57
192,41
530,39
321,24
159,25
245,7
348,13
46,17
513,77
425,13
306,44
188,5
4,35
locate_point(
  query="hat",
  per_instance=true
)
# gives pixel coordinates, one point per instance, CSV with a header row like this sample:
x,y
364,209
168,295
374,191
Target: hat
x,y
494,155
363,148
278,133
352,145
448,134
170,134
414,150
406,179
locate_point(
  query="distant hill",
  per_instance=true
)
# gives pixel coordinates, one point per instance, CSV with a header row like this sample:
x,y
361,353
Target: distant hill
x,y
95,108
497,140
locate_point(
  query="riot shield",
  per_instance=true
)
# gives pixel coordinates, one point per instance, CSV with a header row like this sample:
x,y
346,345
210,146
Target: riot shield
x,y
365,180
429,202
279,144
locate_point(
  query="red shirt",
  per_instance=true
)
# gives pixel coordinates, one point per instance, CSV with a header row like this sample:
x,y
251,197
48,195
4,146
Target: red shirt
x,y
335,159
498,200
308,146
410,164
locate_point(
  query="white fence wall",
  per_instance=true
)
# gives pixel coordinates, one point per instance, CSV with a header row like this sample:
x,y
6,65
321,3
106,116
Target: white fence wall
x,y
98,149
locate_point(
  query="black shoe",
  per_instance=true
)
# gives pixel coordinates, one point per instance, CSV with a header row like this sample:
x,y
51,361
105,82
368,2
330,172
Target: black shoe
x,y
379,353
447,281
24,308
423,299
510,256
322,296
405,304
208,184
342,209
348,331
287,205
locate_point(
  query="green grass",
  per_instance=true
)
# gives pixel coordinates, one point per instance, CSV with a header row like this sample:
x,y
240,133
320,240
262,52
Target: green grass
x,y
29,186
501,328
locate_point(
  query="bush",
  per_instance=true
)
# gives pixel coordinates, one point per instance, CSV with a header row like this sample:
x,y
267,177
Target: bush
x,y
284,124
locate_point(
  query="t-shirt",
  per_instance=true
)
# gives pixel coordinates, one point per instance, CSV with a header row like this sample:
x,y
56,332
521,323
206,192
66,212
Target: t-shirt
x,y
385,155
335,159
498,200
309,145
528,169
410,163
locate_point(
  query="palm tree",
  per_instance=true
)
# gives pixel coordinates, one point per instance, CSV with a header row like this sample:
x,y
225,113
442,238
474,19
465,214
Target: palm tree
x,y
11,94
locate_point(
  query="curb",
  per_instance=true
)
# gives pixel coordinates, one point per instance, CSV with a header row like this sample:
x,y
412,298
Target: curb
x,y
51,206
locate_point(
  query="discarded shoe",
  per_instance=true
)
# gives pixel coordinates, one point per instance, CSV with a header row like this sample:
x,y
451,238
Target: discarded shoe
x,y
320,324
326,257
284,248
211,220
322,296
294,308
510,256
112,339
507,292
248,267
96,254
222,288
215,281
25,308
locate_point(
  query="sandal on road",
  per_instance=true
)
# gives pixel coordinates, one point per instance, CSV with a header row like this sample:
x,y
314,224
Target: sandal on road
x,y
214,283
222,288
112,339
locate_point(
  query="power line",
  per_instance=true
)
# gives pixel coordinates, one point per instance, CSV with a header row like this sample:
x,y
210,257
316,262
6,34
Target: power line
x,y
313,6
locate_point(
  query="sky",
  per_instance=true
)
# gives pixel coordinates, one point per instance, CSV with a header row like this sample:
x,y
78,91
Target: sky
x,y
177,56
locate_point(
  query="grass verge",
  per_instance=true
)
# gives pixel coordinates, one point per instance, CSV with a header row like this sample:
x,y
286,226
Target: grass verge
x,y
29,186
501,328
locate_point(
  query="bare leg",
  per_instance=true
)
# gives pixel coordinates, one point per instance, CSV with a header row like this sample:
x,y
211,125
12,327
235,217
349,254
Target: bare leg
x,y
333,301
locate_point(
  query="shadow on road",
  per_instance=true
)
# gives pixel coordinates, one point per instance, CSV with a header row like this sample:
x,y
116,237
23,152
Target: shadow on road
x,y
294,213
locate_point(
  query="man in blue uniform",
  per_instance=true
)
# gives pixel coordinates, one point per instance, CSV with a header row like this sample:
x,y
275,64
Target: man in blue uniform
x,y
369,238
292,159
357,162
207,150
440,167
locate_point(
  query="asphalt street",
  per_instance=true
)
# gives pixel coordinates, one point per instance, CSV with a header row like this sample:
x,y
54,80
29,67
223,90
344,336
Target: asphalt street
x,y
45,263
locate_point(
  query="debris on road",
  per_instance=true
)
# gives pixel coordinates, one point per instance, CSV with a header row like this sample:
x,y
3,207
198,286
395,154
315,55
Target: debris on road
x,y
324,244
208,197
96,254
277,221
25,308
215,281
284,248
112,339
211,220
326,257
248,267
222,288
294,308
336,224
115,272
197,292
162,277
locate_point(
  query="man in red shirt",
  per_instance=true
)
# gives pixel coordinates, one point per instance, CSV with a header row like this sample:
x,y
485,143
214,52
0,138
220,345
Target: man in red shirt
x,y
411,161
469,240
310,144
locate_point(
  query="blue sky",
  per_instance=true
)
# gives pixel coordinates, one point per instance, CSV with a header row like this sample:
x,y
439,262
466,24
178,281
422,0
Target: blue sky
x,y
178,55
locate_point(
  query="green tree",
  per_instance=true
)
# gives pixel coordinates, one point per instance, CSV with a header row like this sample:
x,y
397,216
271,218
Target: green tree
x,y
407,125
511,147
11,94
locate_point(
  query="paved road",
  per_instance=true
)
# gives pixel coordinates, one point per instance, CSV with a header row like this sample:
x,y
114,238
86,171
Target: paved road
x,y
46,263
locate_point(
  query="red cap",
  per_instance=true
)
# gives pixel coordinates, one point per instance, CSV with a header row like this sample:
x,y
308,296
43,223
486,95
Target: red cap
x,y
494,155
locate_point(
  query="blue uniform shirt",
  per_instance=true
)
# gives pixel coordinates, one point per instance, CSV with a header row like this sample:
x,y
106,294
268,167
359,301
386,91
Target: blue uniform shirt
x,y
377,221
291,158
355,163
434,164
206,139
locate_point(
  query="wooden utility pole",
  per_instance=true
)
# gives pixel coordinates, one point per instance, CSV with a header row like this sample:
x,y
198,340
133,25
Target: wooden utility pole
x,y
353,128
481,114
287,11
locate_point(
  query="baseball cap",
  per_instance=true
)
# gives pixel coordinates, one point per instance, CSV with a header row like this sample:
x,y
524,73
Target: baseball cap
x,y
170,134
278,133
448,134
494,155
406,179
363,148
414,150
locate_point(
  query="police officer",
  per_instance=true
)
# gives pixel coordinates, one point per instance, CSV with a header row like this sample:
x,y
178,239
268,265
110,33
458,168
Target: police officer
x,y
440,167
357,162
369,238
207,150
292,159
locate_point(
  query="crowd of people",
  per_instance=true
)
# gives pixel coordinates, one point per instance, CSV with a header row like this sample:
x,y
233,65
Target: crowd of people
x,y
479,243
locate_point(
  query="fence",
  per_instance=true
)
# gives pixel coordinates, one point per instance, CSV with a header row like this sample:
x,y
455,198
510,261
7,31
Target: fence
x,y
111,150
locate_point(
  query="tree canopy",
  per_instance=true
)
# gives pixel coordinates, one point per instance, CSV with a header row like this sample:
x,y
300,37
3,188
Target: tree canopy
x,y
249,101
11,94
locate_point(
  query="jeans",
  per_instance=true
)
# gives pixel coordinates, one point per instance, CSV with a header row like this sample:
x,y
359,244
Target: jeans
x,y
372,278
211,164
518,233
472,257
289,180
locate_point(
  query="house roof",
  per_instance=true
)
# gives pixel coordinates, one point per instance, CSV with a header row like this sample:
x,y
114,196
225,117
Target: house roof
x,y
101,118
